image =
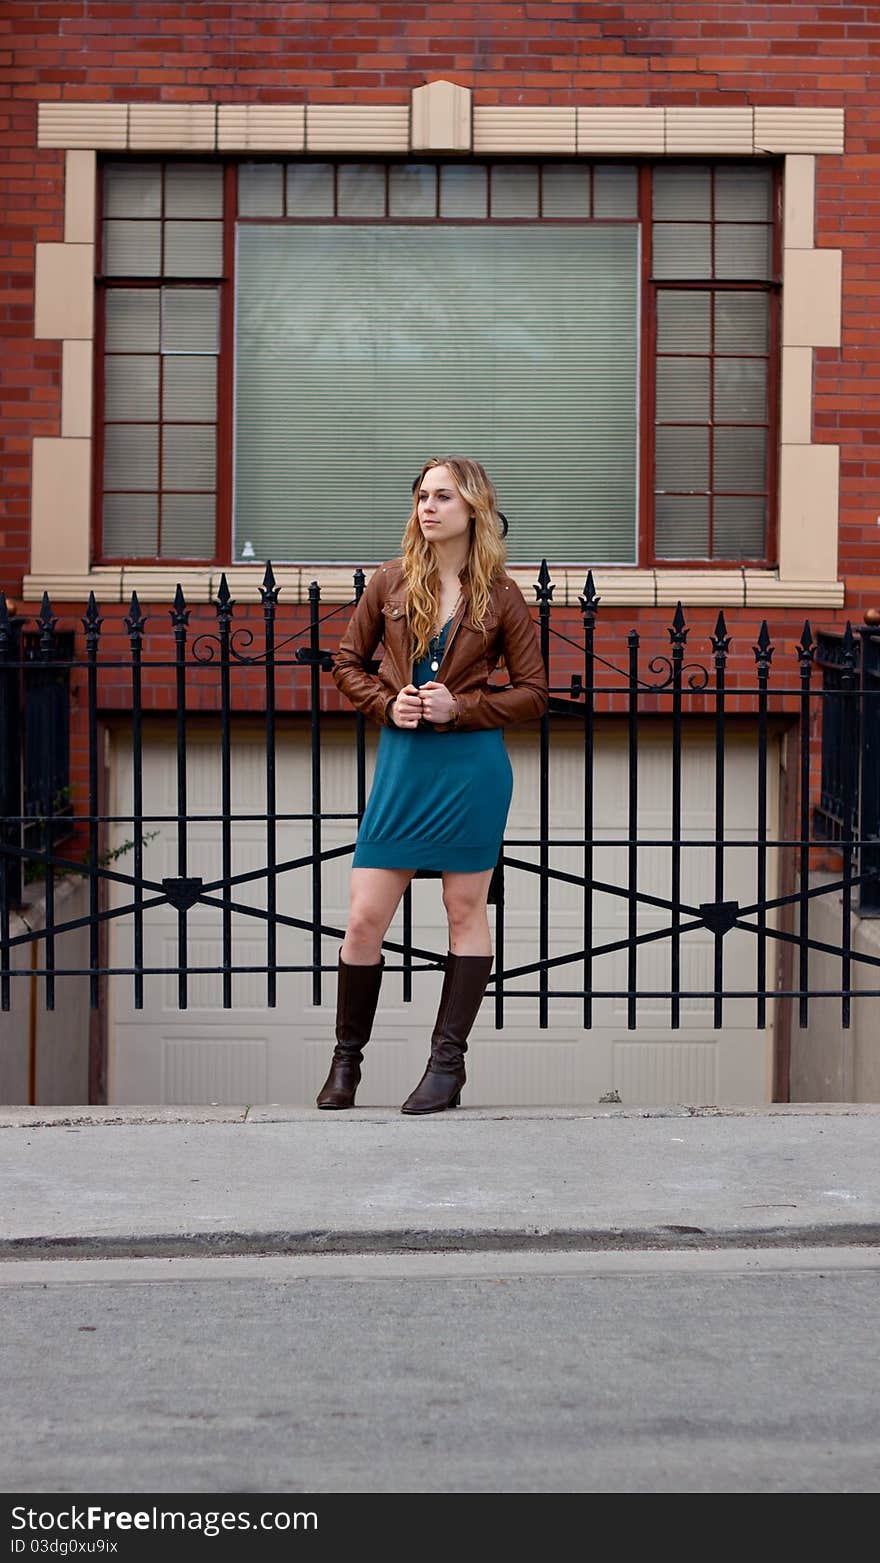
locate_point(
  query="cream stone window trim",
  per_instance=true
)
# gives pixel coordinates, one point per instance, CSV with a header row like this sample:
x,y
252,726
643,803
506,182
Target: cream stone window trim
x,y
437,112
261,127
616,587
61,473
64,292
442,117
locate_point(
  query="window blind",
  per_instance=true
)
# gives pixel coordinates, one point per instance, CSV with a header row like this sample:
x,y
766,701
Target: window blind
x,y
361,349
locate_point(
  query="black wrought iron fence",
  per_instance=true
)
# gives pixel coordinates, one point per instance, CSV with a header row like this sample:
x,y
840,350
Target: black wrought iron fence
x,y
683,684
840,782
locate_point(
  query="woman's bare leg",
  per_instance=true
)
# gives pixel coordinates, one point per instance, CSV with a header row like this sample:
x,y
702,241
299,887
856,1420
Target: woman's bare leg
x,y
464,897
374,894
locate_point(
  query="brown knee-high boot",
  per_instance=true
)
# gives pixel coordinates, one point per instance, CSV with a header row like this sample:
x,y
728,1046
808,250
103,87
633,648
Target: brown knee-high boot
x,y
464,984
357,994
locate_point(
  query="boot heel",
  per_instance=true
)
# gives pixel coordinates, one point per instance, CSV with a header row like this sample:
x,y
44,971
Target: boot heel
x,y
456,1100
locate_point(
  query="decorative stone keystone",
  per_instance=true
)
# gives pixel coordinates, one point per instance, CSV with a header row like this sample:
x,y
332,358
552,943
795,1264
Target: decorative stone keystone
x,y
441,118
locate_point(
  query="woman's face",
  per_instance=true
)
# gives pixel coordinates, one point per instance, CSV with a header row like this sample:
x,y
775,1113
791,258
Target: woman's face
x,y
443,513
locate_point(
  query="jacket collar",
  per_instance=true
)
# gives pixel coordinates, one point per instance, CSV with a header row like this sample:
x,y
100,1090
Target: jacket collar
x,y
464,575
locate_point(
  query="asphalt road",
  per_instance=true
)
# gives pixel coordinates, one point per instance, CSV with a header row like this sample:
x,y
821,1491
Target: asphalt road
x,y
728,1371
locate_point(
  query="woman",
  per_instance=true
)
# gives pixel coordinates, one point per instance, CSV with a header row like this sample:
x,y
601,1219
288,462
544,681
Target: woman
x,y
446,611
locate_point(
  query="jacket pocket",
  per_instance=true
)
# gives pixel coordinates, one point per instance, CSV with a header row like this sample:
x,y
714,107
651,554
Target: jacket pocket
x,y
479,646
393,609
395,639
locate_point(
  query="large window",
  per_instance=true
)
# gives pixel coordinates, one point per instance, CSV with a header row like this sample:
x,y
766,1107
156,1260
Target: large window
x,y
602,336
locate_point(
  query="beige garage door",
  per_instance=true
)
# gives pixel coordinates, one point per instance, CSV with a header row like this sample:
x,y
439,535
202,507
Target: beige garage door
x,y
253,1054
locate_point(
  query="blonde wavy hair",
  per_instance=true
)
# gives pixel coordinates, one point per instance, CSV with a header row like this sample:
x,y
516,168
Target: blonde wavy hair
x,y
486,558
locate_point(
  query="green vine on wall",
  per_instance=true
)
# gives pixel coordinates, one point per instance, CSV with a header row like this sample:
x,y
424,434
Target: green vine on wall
x,y
35,868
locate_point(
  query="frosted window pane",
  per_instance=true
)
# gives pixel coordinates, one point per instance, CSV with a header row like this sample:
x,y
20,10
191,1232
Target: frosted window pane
x,y
261,190
189,387
682,459
131,320
349,326
132,249
741,323
131,525
188,526
133,190
188,456
190,320
565,189
131,456
193,249
131,387
514,190
683,390
683,322
412,190
741,390
681,529
463,190
310,190
193,190
682,250
682,192
740,459
743,194
742,251
739,528
361,190
615,190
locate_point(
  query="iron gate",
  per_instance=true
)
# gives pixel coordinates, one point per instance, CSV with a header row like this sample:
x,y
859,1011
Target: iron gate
x,y
40,824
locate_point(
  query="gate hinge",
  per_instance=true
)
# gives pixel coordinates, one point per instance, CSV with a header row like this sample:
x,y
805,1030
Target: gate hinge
x,y
321,659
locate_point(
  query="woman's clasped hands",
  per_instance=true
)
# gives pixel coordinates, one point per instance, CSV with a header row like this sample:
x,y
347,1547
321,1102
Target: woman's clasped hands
x,y
431,703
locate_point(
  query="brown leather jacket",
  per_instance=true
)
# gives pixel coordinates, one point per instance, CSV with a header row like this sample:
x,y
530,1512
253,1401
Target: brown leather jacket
x,y
467,661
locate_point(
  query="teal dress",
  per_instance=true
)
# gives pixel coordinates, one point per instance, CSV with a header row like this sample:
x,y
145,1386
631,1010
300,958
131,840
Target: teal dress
x,y
438,800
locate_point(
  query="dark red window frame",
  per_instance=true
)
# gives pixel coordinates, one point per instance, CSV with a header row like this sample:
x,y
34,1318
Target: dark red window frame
x,y
651,287
225,283
223,422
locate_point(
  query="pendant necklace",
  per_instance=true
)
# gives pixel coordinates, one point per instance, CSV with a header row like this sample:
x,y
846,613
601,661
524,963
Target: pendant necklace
x,y
434,643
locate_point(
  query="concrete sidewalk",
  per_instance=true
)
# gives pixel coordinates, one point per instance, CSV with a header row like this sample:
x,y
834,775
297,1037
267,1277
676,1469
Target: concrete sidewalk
x,y
94,1182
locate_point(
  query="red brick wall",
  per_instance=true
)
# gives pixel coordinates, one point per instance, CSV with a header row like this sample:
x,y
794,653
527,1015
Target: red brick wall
x,y
649,54
518,53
